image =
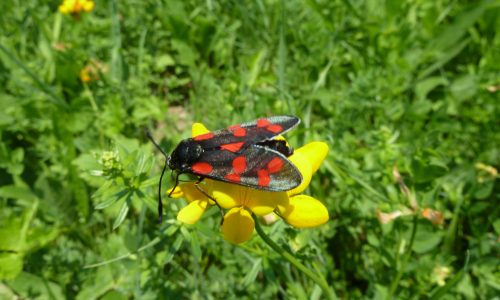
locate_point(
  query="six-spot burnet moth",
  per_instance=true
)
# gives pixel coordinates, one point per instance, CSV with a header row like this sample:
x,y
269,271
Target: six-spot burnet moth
x,y
245,154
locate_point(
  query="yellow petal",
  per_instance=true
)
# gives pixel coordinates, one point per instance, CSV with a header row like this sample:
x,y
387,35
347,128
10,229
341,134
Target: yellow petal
x,y
228,195
304,212
177,193
302,163
67,6
258,201
238,225
191,213
262,203
189,191
315,152
88,6
63,9
198,129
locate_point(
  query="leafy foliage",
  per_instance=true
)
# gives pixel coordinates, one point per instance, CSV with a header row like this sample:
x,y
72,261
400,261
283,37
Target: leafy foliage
x,y
408,88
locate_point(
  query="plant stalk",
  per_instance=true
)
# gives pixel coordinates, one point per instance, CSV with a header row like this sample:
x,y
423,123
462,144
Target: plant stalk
x,y
404,263
316,277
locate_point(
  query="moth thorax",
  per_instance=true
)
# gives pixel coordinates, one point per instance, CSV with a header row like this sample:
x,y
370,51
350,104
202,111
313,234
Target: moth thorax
x,y
184,155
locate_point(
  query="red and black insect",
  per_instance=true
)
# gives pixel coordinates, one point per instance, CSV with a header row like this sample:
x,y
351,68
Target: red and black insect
x,y
245,154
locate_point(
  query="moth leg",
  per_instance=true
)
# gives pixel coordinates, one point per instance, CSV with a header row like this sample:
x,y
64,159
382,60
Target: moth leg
x,y
175,185
197,185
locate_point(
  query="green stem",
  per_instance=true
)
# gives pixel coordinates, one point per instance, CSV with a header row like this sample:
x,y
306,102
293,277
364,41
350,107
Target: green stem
x,y
128,255
316,277
406,258
93,104
456,196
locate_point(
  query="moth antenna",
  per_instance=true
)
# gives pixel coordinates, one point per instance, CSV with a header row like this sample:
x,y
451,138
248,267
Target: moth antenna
x,y
160,203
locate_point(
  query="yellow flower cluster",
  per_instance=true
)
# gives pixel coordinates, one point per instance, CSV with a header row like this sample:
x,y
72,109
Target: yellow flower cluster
x,y
75,7
92,70
296,209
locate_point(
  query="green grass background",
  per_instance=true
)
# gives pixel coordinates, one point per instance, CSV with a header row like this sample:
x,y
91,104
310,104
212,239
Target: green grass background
x,y
408,83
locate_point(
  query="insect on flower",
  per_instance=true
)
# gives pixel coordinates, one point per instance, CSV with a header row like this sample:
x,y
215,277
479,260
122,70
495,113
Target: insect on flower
x,y
246,154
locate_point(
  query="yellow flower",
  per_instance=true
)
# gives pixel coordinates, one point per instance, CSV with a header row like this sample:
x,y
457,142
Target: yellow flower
x,y
92,70
296,209
75,7
85,74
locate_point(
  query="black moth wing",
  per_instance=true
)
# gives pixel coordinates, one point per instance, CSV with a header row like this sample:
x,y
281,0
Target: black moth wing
x,y
255,166
248,133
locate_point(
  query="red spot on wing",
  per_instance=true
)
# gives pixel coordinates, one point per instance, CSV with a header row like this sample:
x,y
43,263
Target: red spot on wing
x,y
234,147
239,164
233,177
275,165
202,168
274,128
263,123
203,137
238,130
263,177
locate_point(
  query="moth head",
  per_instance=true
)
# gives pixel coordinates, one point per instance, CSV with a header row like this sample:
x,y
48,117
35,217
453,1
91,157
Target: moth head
x,y
184,155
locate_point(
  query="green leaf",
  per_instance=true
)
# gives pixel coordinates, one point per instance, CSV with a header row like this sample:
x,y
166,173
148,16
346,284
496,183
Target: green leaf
x,y
41,85
464,87
195,246
11,265
173,249
185,54
453,33
123,213
496,226
18,192
252,274
442,58
484,190
424,171
163,61
425,86
13,233
97,285
152,181
27,284
144,163
426,238
41,237
113,199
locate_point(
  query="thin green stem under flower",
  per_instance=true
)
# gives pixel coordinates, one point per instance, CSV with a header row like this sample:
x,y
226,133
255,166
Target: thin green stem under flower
x,y
316,277
404,263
